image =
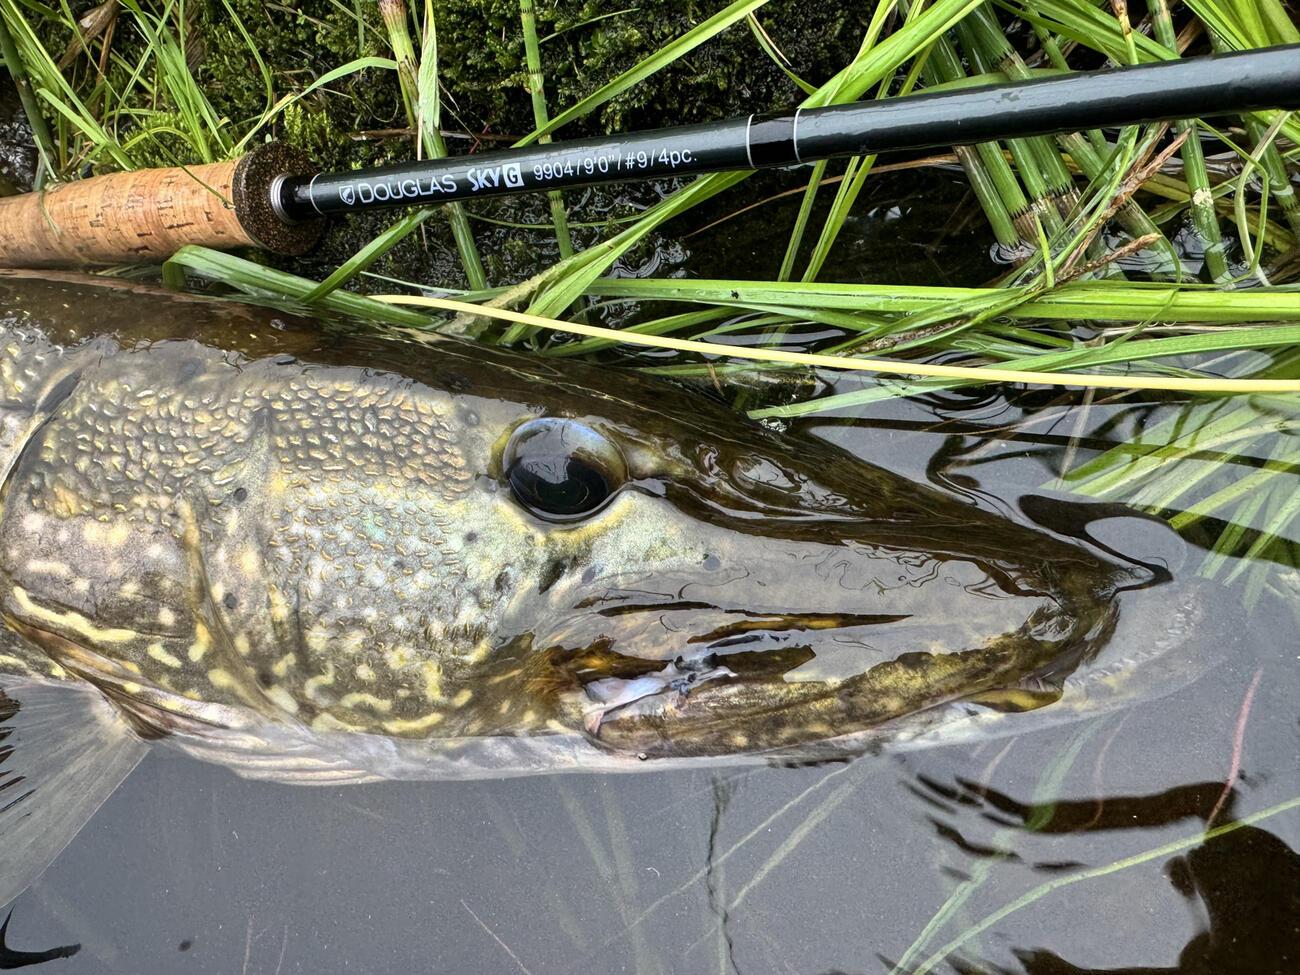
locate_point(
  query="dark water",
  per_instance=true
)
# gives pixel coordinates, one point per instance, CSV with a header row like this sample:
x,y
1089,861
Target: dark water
x,y
1037,854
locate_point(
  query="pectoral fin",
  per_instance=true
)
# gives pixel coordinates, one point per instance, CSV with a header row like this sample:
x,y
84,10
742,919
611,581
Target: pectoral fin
x,y
63,750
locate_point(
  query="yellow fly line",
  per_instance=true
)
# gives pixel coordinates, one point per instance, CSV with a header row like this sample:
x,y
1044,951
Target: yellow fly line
x,y
894,367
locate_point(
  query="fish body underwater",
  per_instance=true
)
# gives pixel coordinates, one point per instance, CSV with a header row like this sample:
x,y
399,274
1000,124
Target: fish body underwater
x,y
319,557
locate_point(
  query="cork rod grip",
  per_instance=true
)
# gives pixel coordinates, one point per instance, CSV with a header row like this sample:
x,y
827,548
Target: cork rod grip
x,y
147,215
138,217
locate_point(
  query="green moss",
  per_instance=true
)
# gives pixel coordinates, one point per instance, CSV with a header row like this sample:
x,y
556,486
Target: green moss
x,y
585,47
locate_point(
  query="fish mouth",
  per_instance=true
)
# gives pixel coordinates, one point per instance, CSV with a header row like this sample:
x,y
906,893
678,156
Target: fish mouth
x,y
749,658
748,682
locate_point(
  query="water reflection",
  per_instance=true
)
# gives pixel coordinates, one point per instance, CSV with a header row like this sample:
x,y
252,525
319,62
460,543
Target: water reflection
x,y
1242,889
12,958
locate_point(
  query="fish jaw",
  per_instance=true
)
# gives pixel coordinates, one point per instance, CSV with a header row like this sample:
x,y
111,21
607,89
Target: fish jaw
x,y
678,635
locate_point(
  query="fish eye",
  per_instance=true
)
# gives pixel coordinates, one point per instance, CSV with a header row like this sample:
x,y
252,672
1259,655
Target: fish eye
x,y
562,470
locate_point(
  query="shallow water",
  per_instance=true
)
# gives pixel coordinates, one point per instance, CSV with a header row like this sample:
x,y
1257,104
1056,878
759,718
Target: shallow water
x,y
1024,854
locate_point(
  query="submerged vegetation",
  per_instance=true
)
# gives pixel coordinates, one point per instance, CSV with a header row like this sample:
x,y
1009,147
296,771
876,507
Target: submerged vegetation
x,y
1158,257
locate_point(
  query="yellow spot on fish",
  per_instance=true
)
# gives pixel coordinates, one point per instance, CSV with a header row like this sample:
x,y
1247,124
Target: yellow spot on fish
x,y
399,657
352,642
279,605
365,672
166,617
480,652
318,638
129,589
330,722
313,684
432,671
249,562
463,697
281,667
281,698
364,700
117,536
131,687
47,567
402,726
221,679
64,503
69,620
202,643
242,645
160,654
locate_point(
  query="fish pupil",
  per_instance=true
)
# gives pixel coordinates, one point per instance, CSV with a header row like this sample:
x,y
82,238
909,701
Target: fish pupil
x,y
561,469
558,485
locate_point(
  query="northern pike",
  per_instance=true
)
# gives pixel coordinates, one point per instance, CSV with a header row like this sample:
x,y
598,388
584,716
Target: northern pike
x,y
318,556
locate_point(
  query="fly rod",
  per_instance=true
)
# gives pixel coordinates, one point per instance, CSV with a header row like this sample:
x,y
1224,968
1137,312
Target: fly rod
x,y
274,198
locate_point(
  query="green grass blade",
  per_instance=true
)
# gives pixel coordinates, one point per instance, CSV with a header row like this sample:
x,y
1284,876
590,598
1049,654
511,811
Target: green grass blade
x,y
328,78
643,69
265,282
367,255
537,93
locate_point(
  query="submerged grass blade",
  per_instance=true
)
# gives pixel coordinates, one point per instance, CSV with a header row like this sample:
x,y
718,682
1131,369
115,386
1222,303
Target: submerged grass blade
x,y
891,367
267,283
1046,788
1091,301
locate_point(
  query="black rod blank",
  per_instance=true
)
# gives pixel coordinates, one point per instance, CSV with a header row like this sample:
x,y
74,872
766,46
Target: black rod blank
x,y
1166,90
